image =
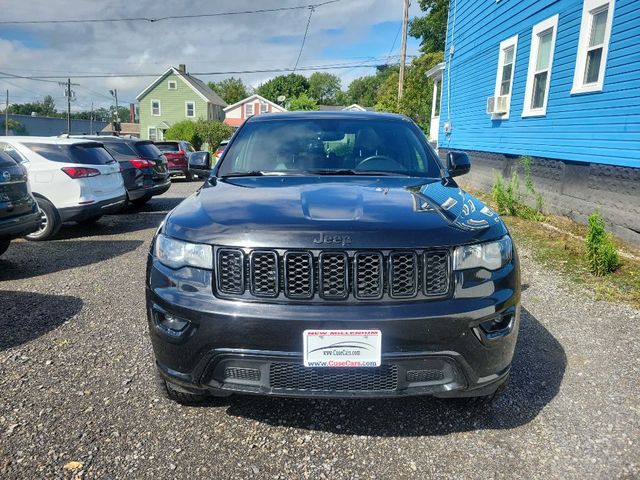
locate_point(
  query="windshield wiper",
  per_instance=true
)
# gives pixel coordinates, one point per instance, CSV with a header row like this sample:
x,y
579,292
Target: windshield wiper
x,y
253,173
349,171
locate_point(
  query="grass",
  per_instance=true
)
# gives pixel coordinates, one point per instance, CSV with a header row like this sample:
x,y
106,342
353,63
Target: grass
x,y
558,243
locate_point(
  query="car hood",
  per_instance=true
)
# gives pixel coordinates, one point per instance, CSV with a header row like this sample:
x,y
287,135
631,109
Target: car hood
x,y
341,212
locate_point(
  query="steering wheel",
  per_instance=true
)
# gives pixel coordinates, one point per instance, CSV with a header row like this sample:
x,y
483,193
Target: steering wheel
x,y
384,163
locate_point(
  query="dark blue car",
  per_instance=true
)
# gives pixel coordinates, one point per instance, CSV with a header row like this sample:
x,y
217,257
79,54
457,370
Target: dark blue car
x,y
332,254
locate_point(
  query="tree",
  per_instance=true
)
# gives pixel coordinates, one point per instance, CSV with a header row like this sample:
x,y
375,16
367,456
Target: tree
x,y
15,127
185,130
231,90
324,87
303,102
364,90
48,106
431,29
418,91
212,133
290,86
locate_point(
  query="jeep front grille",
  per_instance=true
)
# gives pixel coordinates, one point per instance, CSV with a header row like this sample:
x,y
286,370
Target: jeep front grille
x,y
316,275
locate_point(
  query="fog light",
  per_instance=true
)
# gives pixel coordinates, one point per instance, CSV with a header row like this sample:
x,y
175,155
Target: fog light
x,y
170,324
498,326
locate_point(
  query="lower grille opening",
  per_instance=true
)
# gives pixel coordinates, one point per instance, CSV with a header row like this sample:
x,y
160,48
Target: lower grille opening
x,y
424,375
238,373
288,376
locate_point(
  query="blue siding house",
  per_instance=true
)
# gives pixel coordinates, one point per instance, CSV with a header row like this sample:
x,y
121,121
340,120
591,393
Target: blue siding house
x,y
559,81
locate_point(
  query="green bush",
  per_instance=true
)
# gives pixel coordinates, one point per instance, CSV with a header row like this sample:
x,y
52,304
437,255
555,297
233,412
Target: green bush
x,y
185,130
212,132
509,197
602,254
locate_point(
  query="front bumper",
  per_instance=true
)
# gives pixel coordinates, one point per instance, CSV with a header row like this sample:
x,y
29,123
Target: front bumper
x,y
20,225
82,212
428,347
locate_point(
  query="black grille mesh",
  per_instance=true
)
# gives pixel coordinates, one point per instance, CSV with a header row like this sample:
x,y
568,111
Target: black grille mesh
x,y
288,376
239,373
404,274
424,375
436,273
298,275
230,271
368,276
264,274
334,275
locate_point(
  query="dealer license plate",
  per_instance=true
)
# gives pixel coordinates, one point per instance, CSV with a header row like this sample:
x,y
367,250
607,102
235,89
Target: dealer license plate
x,y
342,348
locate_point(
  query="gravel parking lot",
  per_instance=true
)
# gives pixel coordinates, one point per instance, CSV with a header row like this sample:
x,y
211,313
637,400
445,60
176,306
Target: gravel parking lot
x,y
77,384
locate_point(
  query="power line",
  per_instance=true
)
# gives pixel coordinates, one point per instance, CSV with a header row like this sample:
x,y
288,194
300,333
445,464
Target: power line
x,y
304,39
168,17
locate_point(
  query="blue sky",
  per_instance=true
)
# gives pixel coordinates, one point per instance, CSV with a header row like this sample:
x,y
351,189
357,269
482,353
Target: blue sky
x,y
353,32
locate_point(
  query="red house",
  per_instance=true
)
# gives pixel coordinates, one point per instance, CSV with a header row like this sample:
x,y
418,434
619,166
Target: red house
x,y
237,113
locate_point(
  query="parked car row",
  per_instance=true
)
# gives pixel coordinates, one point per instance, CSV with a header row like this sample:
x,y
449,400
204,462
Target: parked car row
x,y
47,181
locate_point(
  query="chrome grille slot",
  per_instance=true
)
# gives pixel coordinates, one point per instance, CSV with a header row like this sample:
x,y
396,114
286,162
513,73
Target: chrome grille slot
x,y
368,281
334,275
230,271
298,271
403,274
264,273
436,273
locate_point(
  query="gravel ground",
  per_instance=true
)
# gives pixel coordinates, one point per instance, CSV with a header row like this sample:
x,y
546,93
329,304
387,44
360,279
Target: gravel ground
x,y
77,384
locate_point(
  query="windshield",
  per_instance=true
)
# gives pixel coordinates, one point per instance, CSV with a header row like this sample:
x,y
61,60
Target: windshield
x,y
326,146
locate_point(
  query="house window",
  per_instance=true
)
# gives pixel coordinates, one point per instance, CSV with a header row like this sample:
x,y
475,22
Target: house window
x,y
506,68
264,108
153,134
593,45
248,110
543,40
173,85
155,108
190,109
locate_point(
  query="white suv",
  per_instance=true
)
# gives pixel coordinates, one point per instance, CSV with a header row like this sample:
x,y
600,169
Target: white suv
x,y
71,179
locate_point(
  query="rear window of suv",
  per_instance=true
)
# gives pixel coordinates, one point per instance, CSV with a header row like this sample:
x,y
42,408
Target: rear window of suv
x,y
121,148
168,147
147,150
82,153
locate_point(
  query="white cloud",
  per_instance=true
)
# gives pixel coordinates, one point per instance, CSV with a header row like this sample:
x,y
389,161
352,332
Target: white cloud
x,y
239,42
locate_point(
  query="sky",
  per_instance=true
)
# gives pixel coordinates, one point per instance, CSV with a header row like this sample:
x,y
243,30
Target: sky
x,y
347,32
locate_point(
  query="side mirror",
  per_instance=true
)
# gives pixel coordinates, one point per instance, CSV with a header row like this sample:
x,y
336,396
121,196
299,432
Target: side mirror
x,y
458,163
200,163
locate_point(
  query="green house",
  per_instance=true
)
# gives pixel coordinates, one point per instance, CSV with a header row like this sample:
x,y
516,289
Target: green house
x,y
175,96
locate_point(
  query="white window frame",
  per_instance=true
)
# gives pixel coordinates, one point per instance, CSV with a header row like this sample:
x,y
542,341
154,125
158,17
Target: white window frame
x,y
504,45
149,133
246,110
172,85
186,109
159,108
548,24
264,108
590,7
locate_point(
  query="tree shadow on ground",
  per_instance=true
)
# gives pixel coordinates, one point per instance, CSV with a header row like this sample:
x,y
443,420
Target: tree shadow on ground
x,y
26,315
538,369
31,259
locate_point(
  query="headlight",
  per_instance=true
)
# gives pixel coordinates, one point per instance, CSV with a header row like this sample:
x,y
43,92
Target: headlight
x,y
490,255
176,253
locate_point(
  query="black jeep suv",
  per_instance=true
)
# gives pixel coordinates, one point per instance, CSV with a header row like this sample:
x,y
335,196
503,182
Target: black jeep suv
x,y
333,254
19,214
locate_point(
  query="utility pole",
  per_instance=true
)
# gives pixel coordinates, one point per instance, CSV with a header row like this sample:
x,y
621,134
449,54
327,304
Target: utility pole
x,y
91,120
116,120
70,94
6,116
403,51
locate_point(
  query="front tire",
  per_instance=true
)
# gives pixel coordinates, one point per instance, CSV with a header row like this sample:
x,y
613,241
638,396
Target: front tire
x,y
140,201
50,222
4,244
178,395
188,176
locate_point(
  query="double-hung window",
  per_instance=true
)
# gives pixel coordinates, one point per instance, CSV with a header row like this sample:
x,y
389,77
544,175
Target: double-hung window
x,y
248,110
153,134
155,108
189,109
543,41
593,45
506,67
264,108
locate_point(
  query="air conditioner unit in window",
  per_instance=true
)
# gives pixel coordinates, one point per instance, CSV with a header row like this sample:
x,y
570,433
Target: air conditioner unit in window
x,y
498,105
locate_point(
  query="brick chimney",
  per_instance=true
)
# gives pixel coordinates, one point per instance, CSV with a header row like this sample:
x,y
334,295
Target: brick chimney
x,y
182,67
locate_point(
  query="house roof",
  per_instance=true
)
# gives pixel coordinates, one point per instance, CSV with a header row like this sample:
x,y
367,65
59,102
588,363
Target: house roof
x,y
197,85
435,72
127,128
252,97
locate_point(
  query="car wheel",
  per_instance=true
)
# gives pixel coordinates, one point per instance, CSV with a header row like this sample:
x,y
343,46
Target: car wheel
x,y
486,400
4,244
50,222
89,221
189,176
140,201
175,394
